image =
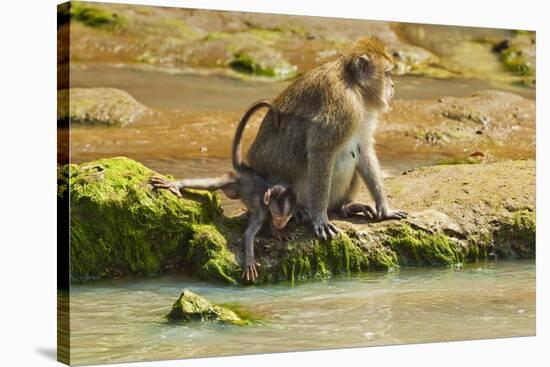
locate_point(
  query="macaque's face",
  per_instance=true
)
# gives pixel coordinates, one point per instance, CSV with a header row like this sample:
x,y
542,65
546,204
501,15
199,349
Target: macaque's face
x,y
281,212
280,201
373,74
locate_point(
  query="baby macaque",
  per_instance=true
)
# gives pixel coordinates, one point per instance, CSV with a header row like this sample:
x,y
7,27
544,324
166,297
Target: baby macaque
x,y
264,200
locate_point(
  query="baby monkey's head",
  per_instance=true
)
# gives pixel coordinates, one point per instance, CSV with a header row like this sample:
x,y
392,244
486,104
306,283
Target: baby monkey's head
x,y
280,202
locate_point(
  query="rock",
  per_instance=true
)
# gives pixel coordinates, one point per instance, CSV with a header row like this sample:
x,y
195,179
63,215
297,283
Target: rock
x,y
98,106
518,55
262,62
498,122
457,213
120,226
92,15
217,42
192,307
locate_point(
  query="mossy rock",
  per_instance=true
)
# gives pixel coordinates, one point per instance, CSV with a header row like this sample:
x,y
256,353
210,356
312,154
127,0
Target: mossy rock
x,y
120,226
262,62
91,15
191,307
518,54
98,106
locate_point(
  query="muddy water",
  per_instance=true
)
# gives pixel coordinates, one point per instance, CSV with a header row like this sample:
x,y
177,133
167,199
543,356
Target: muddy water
x,y
191,129
194,118
121,320
159,89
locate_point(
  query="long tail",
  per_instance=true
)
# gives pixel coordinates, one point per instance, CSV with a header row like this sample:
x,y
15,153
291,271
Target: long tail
x,y
211,184
236,151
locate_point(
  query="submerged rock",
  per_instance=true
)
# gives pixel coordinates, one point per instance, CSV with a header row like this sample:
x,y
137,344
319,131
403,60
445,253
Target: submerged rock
x,y
458,213
192,307
98,106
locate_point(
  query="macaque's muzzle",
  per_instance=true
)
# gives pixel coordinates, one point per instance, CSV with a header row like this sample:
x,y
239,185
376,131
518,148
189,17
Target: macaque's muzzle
x,y
280,222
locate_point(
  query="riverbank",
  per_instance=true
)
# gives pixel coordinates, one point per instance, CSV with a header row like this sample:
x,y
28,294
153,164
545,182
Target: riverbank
x,y
457,214
274,47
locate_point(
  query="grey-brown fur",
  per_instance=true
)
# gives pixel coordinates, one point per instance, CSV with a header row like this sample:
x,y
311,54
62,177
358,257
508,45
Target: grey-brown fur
x,y
323,144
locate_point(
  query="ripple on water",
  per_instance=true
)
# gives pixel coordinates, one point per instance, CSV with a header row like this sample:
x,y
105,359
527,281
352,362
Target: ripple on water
x,y
122,320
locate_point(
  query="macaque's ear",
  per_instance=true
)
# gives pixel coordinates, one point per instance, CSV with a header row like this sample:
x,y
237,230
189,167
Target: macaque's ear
x,y
267,197
363,62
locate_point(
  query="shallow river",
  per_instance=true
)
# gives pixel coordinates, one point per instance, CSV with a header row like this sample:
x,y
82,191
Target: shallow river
x,y
122,320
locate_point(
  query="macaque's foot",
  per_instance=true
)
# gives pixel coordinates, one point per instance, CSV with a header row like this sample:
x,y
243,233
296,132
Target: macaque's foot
x,y
324,229
249,272
353,209
386,214
162,183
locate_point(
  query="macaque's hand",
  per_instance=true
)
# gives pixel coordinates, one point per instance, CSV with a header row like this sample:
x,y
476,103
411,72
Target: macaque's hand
x,y
323,228
384,213
250,273
162,183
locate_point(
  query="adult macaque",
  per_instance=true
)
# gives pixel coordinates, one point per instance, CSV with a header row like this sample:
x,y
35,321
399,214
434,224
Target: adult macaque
x,y
264,201
323,143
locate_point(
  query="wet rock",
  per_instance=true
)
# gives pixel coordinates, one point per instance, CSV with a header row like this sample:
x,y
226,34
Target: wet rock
x,y
266,45
192,307
262,62
98,106
485,121
457,213
518,55
91,15
414,60
119,226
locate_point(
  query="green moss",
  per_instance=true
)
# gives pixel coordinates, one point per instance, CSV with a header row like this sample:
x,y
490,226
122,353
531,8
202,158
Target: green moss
x,y
516,236
95,17
417,247
243,313
515,61
120,226
208,255
245,63
480,246
525,225
191,307
322,259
